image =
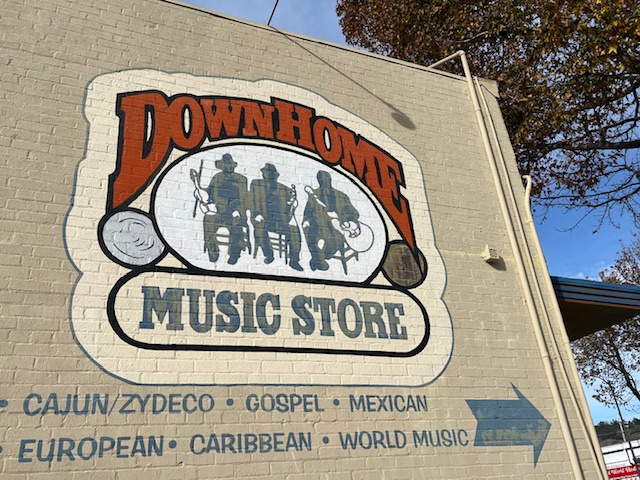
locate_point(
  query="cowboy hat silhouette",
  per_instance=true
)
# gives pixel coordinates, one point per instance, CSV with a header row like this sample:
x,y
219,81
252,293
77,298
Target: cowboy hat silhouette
x,y
226,160
269,171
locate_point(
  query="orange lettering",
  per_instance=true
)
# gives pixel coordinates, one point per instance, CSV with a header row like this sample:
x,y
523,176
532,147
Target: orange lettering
x,y
382,174
327,140
150,125
258,120
294,124
191,137
144,144
222,116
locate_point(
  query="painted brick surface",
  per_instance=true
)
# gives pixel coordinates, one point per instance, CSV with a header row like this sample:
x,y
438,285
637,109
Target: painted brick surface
x,y
177,402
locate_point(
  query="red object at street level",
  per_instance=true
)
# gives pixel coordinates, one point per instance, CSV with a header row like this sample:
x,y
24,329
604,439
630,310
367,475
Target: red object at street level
x,y
628,472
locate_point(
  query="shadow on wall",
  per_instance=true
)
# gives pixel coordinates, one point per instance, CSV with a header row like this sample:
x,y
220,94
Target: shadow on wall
x,y
398,115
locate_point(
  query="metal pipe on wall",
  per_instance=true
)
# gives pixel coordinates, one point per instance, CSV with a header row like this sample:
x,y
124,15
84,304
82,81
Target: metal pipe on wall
x,y
586,424
583,409
536,322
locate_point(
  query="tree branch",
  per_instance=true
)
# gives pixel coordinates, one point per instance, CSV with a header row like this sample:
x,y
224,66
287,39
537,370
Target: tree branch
x,y
564,145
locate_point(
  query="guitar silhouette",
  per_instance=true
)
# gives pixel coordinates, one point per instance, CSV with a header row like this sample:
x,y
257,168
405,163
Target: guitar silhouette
x,y
357,235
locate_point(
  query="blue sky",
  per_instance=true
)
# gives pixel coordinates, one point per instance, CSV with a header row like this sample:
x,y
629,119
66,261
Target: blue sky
x,y
570,250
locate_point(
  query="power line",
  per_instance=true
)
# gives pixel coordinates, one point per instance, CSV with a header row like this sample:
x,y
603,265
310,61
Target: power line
x,y
273,11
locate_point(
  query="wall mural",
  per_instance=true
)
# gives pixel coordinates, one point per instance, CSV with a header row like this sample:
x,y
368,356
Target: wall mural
x,y
222,225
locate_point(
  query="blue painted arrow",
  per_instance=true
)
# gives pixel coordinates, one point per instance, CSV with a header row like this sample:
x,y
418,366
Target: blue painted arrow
x,y
510,422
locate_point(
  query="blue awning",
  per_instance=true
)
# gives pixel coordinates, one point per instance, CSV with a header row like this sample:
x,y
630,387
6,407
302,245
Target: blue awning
x,y
588,306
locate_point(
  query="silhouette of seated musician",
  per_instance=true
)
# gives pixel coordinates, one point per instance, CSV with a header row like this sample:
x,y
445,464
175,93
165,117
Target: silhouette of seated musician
x,y
272,210
225,207
328,216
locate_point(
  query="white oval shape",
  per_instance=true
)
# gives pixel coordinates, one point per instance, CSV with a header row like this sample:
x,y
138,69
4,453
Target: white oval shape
x,y
173,310
320,224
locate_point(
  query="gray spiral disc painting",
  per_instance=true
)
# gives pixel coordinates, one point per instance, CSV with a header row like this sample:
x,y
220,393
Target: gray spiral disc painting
x,y
130,237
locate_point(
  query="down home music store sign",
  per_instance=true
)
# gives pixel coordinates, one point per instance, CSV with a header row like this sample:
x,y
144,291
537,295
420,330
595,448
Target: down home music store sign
x,y
220,223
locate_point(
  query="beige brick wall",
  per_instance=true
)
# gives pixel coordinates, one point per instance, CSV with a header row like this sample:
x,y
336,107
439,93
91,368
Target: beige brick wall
x,y
63,65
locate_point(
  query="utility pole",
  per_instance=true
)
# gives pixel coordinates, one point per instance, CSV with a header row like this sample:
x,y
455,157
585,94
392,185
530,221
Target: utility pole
x,y
623,430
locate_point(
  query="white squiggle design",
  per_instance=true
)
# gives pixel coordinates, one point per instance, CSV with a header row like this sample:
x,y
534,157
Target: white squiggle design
x,y
130,237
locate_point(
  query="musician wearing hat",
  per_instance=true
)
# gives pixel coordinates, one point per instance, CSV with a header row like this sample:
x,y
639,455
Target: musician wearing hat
x,y
227,193
328,217
272,210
